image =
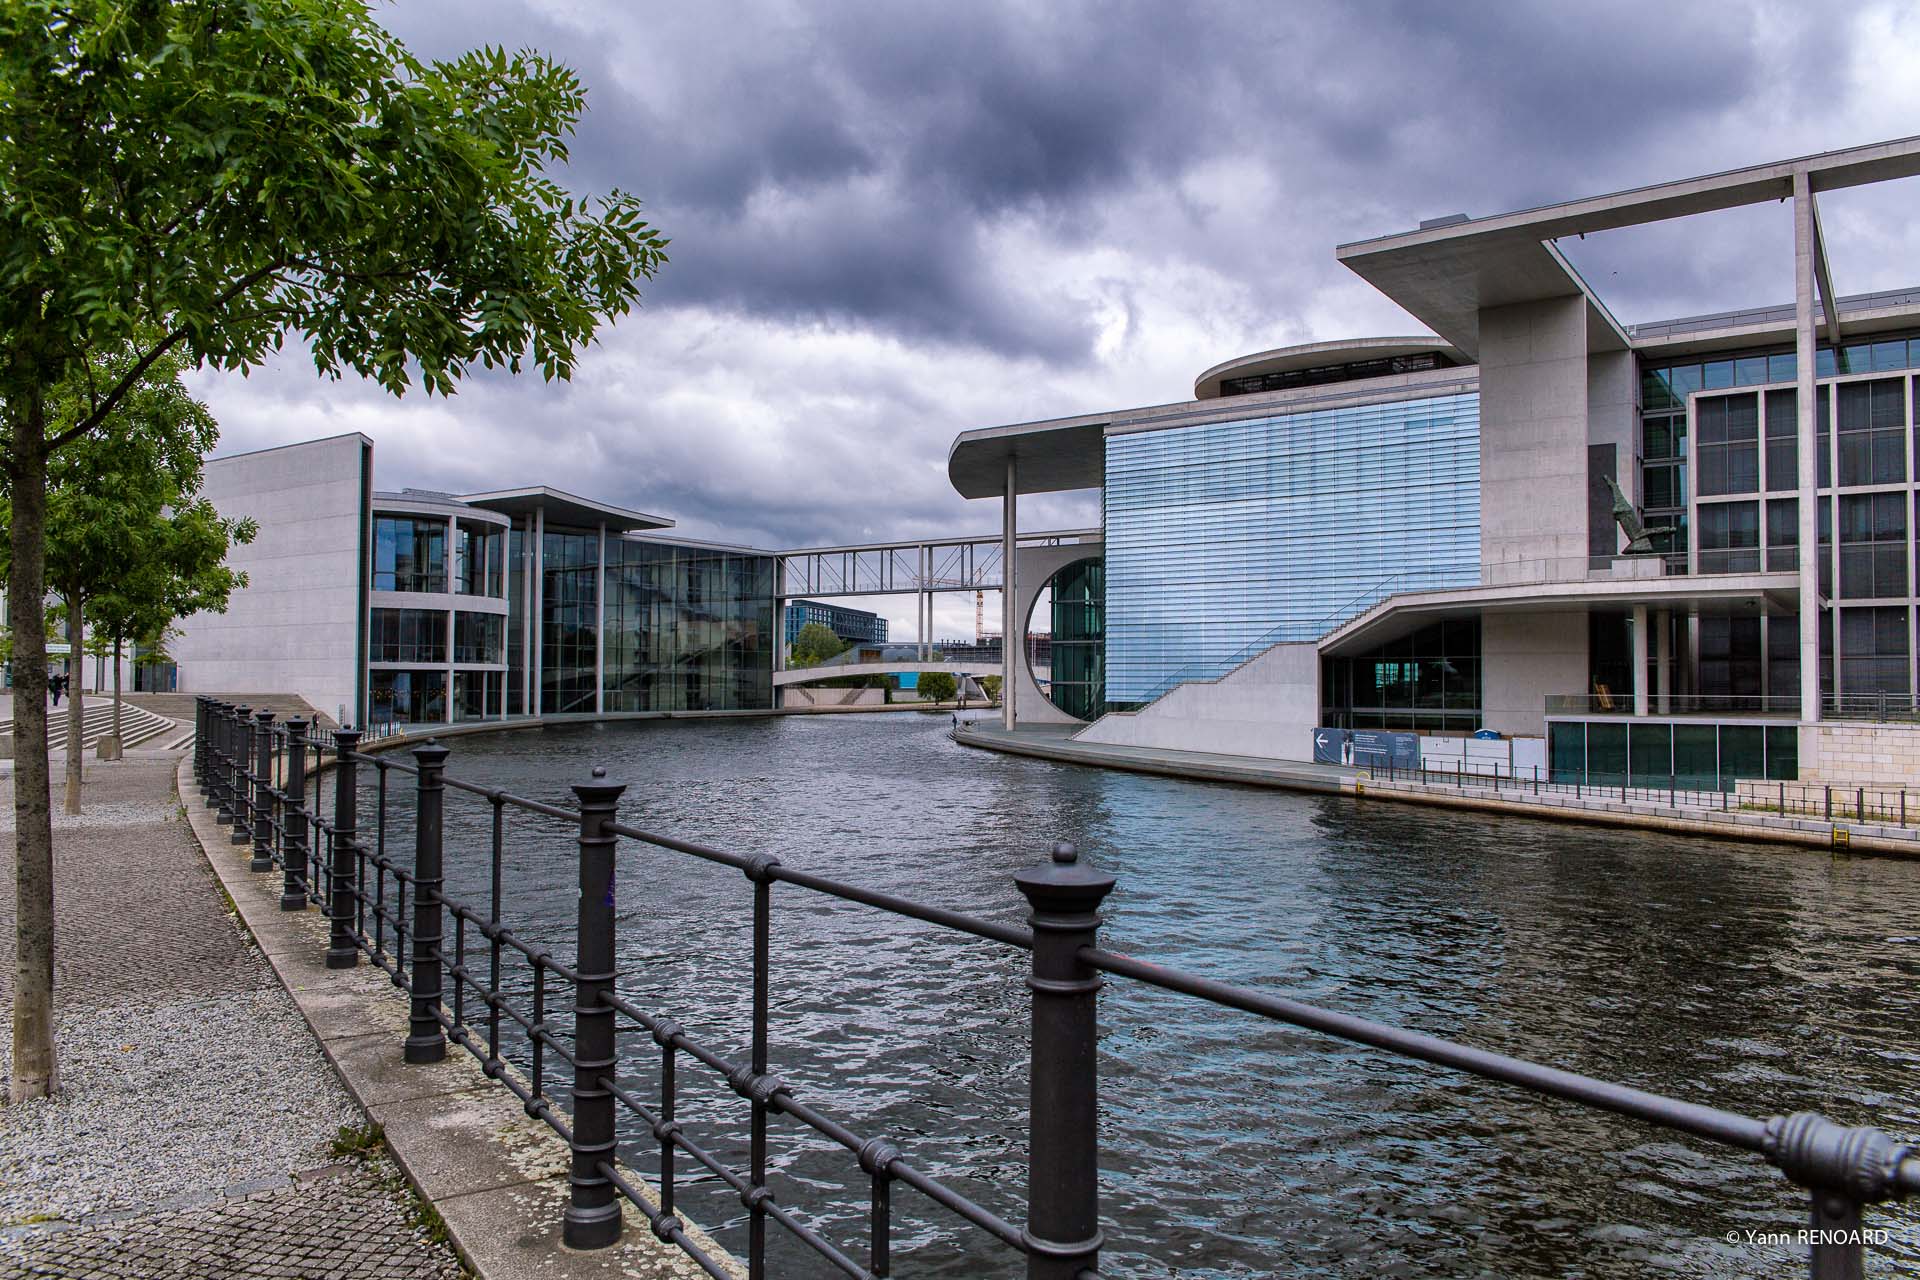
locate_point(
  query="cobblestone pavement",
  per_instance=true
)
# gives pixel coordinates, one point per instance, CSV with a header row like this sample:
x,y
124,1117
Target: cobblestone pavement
x,y
191,1134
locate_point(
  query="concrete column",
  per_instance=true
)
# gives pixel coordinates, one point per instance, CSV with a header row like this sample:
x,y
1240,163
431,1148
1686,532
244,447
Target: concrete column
x,y
600,628
1009,641
1640,660
1662,660
453,642
536,655
1803,346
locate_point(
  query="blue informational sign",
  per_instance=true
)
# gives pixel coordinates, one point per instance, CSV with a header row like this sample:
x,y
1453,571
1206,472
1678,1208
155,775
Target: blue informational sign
x,y
1374,748
1332,746
1366,748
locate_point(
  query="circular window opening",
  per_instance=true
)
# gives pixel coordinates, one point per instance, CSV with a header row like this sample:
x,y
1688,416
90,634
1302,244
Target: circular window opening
x,y
1069,659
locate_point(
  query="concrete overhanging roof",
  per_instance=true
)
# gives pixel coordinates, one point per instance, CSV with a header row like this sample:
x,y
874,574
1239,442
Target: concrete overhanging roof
x,y
1770,593
1063,453
1443,275
1312,355
565,509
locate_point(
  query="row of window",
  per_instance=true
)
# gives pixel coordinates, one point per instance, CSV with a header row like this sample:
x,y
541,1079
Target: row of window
x,y
420,635
410,554
1667,385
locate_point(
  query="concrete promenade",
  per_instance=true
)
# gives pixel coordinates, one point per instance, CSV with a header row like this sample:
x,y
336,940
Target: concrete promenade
x,y
223,1092
1597,806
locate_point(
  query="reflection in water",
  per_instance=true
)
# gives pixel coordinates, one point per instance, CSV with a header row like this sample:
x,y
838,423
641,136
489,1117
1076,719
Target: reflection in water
x,y
1760,979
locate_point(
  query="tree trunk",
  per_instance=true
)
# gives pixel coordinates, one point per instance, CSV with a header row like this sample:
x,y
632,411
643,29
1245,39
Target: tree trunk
x,y
76,629
117,739
34,1069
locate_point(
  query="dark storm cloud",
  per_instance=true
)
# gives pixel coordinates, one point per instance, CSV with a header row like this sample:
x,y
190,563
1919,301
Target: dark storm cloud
x,y
894,222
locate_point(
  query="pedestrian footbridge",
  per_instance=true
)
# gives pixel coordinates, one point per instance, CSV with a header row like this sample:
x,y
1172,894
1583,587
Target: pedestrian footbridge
x,y
836,671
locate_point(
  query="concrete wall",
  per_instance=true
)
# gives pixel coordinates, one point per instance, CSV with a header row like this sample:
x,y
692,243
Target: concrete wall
x,y
295,627
1267,707
1613,403
1533,431
1525,657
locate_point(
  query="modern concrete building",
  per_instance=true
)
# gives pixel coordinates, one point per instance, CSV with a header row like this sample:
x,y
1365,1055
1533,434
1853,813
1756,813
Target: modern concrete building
x,y
1537,520
421,607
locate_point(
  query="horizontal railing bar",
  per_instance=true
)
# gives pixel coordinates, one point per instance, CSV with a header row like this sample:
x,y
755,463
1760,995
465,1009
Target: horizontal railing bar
x,y
785,1102
496,796
1702,1121
1008,934
670,1224
740,1185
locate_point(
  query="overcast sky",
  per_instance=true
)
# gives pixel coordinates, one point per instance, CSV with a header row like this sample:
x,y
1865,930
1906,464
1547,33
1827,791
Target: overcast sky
x,y
895,222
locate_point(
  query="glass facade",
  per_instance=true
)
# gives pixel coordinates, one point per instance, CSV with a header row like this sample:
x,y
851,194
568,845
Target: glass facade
x,y
408,697
409,554
1229,536
1078,663
856,626
1651,753
569,635
1745,433
688,628
685,628
480,560
1427,680
408,635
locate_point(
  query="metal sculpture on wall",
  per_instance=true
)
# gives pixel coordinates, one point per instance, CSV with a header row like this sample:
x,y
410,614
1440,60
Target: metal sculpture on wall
x,y
1633,524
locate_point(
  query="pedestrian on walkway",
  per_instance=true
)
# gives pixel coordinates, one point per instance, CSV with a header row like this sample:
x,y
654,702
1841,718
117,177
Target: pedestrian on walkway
x,y
56,685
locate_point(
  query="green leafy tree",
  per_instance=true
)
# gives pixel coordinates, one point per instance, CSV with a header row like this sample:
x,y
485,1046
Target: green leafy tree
x,y
938,686
815,644
176,567
118,499
215,179
990,685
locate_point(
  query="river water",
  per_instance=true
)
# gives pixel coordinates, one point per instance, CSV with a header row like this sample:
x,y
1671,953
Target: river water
x,y
1756,978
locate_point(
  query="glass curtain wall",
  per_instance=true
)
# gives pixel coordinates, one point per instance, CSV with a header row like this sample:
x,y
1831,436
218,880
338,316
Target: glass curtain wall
x,y
1226,537
1079,684
1429,680
688,628
409,554
569,631
1865,468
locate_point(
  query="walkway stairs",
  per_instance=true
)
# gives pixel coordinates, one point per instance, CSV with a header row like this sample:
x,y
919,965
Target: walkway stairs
x,y
137,726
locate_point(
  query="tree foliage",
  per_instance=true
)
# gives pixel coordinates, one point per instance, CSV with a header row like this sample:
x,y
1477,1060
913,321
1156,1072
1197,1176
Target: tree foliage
x,y
210,180
938,686
815,644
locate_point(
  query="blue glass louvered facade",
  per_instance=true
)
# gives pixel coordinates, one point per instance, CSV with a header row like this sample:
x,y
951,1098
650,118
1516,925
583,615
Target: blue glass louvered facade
x,y
1231,536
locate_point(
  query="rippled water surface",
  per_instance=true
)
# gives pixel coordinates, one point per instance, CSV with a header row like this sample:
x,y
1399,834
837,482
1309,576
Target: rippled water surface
x,y
1761,979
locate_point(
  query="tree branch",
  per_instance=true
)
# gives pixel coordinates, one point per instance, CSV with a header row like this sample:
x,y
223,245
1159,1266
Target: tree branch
x,y
139,370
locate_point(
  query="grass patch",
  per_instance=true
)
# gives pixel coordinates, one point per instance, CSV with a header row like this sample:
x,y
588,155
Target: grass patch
x,y
31,1220
357,1141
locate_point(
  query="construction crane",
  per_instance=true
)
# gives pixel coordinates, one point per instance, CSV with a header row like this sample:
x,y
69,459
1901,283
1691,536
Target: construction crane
x,y
979,617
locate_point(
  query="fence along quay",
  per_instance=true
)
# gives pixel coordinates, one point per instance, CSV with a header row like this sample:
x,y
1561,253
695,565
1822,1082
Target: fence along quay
x,y
448,956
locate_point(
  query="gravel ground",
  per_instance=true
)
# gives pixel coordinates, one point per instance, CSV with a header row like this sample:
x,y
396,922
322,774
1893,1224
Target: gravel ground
x,y
185,1097
191,1133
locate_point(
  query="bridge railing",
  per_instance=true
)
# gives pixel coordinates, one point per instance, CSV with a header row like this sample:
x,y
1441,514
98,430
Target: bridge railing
x,y
395,911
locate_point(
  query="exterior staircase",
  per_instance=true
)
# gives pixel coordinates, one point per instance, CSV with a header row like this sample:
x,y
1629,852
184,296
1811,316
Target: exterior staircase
x,y
137,726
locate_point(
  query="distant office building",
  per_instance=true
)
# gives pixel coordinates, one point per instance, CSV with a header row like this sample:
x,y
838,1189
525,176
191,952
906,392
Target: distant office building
x,y
421,607
855,626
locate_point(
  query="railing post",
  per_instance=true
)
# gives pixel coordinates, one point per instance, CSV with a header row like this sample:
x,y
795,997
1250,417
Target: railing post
x,y
342,953
200,744
242,756
426,1042
221,720
1843,1169
1829,801
293,858
592,1219
1063,1154
262,792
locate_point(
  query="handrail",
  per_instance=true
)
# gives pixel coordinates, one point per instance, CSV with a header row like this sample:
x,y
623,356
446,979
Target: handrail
x,y
345,869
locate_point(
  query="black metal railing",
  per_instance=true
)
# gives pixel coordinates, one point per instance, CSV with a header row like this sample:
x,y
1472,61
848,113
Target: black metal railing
x,y
347,872
1884,806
